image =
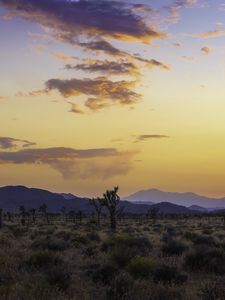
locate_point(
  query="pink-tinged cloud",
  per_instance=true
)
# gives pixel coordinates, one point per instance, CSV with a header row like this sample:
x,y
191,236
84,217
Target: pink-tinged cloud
x,y
212,34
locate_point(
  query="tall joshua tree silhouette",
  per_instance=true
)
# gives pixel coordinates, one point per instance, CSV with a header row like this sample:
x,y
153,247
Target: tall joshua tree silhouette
x,y
111,201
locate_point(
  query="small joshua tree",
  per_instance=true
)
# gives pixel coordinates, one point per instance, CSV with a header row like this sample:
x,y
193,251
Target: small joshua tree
x,y
152,212
111,201
97,203
33,214
43,209
23,215
0,218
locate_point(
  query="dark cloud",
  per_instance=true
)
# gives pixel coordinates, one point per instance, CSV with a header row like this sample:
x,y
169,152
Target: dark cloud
x,y
10,143
101,45
114,19
101,87
83,163
120,67
145,137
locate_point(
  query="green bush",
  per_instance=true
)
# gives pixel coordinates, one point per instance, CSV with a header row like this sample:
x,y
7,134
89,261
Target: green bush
x,y
141,267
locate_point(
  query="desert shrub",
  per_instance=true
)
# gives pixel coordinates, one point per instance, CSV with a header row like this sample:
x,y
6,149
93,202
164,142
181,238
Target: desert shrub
x,y
214,290
124,247
168,274
58,277
36,289
104,273
162,292
65,235
120,287
42,259
53,244
207,231
146,290
141,243
89,251
121,255
206,258
17,231
6,241
80,239
199,239
94,236
174,247
189,235
141,267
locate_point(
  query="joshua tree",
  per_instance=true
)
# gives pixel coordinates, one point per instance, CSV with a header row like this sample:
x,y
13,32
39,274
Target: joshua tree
x,y
23,215
80,216
111,200
33,214
0,218
97,203
9,216
63,211
152,212
43,209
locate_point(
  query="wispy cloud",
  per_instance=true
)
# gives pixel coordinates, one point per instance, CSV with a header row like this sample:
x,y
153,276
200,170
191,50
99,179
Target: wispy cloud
x,y
176,6
117,91
120,67
212,34
74,163
146,137
10,143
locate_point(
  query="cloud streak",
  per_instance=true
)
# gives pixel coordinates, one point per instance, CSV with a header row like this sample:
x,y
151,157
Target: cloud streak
x,y
146,137
121,67
212,34
69,162
10,143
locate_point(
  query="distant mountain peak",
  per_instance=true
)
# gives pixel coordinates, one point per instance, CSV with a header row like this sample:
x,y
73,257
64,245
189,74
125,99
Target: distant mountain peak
x,y
185,199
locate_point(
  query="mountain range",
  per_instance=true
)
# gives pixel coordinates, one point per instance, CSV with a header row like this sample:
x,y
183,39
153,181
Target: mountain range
x,y
12,197
185,199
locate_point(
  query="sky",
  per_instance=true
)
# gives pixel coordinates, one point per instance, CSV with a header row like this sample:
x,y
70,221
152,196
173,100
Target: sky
x,y
99,93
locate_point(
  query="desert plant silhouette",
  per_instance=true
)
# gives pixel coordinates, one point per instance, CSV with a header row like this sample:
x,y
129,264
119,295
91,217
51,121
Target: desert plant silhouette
x,y
111,201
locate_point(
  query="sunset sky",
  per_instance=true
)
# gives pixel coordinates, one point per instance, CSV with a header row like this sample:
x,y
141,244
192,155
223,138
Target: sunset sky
x,y
98,93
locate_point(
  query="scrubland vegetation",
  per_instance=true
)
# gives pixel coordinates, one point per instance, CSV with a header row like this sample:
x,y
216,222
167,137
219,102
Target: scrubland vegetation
x,y
64,257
